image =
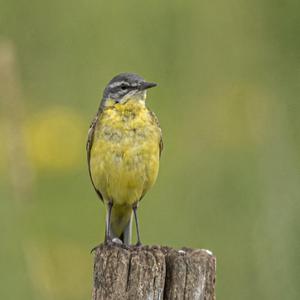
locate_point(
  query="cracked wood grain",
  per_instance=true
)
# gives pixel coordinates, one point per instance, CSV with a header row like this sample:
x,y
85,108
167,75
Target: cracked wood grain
x,y
153,273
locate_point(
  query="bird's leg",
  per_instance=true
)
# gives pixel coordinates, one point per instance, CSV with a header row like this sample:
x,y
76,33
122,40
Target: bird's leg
x,y
134,208
108,233
108,239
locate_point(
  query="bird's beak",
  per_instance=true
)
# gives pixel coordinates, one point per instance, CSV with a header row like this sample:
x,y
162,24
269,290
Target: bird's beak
x,y
147,85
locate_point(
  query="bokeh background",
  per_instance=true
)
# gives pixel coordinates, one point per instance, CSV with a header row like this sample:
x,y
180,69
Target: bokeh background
x,y
228,103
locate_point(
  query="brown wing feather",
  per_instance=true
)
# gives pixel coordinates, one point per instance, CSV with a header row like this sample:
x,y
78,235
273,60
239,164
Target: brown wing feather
x,y
161,144
89,145
155,120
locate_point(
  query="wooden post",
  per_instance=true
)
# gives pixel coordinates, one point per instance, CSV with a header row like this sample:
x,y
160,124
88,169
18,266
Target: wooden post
x,y
153,273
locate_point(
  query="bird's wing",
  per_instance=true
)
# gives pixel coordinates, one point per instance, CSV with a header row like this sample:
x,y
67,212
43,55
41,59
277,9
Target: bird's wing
x,y
161,145
89,145
155,120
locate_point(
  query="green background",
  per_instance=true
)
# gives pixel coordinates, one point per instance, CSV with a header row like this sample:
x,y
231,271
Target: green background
x,y
228,104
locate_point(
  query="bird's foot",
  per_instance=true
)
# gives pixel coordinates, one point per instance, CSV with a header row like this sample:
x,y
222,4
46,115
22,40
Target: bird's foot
x,y
138,244
107,242
95,248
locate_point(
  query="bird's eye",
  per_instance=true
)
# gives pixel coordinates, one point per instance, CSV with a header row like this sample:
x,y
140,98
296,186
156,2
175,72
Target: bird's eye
x,y
124,87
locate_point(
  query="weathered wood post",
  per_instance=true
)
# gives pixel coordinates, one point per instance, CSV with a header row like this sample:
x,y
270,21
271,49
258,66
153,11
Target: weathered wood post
x,y
153,273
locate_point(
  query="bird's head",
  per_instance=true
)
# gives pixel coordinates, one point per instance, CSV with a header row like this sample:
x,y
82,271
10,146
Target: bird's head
x,y
123,87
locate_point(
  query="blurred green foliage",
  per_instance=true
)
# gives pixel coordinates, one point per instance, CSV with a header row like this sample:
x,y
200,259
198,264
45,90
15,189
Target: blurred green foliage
x,y
228,103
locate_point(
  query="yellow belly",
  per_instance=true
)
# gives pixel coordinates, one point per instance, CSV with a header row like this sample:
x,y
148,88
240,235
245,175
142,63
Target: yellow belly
x,y
124,157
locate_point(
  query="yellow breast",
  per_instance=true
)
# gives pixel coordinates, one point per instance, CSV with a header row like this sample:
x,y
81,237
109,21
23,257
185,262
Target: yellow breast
x,y
124,157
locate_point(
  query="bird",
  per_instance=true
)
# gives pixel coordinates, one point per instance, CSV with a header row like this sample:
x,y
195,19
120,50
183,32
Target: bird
x,y
124,146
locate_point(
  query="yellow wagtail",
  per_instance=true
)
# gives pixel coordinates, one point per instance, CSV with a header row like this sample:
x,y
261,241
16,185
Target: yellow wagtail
x,y
123,151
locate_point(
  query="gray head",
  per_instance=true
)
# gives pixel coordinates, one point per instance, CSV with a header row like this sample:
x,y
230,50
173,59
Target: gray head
x,y
125,86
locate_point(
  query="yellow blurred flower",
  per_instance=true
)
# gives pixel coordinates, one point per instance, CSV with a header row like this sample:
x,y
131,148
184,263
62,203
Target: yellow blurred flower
x,y
55,138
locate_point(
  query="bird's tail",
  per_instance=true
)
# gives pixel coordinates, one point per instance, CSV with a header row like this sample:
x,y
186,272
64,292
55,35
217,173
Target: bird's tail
x,y
121,223
125,236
